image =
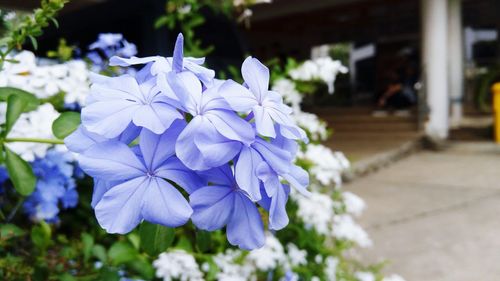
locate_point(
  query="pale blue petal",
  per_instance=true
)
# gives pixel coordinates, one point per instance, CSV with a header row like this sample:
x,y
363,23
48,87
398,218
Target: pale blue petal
x,y
111,161
118,61
165,205
279,159
81,139
245,172
178,54
215,149
155,148
256,76
245,228
186,149
231,126
156,117
298,178
119,210
100,187
278,218
238,97
222,175
263,122
173,169
187,88
108,119
212,206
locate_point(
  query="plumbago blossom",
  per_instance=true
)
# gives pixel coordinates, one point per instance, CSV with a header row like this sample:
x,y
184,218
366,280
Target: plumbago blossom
x,y
228,146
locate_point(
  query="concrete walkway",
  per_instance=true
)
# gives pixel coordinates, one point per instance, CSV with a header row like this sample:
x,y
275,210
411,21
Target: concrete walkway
x,y
436,215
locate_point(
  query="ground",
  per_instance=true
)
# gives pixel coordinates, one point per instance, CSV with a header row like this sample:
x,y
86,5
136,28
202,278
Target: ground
x,y
436,215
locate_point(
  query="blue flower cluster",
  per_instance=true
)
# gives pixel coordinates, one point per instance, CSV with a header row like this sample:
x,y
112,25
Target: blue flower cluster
x,y
106,46
230,147
55,186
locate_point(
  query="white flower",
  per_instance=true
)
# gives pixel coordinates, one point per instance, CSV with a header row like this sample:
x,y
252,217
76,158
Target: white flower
x,y
331,268
365,276
45,81
178,265
316,128
230,270
34,124
316,211
286,88
353,203
324,69
327,166
344,227
270,256
393,277
296,256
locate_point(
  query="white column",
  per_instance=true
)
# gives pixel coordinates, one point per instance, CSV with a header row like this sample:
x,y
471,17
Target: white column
x,y
434,65
455,61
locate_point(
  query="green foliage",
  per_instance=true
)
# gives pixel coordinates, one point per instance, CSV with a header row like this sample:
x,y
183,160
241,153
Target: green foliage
x,y
65,124
155,238
63,52
187,15
32,100
29,27
20,173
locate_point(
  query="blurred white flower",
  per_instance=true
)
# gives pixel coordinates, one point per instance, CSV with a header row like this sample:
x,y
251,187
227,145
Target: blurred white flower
x,y
177,265
33,124
324,69
316,211
290,95
230,270
316,128
344,227
296,256
393,277
331,268
365,276
353,203
270,256
327,166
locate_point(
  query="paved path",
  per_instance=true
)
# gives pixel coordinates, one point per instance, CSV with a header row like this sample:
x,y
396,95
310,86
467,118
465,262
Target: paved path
x,y
436,215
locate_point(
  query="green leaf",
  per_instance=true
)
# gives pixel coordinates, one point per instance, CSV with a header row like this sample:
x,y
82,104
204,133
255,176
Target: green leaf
x,y
65,124
88,244
9,230
33,41
33,101
15,106
203,240
155,238
20,173
40,235
99,252
122,252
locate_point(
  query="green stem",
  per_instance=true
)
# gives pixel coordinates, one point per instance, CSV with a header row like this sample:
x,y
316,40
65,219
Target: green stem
x,y
15,209
50,141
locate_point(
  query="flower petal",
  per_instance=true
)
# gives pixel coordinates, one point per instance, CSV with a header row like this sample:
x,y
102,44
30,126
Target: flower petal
x,y
238,97
230,125
298,178
156,148
165,205
108,118
263,122
186,149
173,169
256,76
111,160
156,117
245,228
119,210
244,172
212,206
279,159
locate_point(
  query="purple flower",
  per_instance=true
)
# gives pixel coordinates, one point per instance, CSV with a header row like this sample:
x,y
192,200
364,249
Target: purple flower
x,y
140,190
215,134
115,102
106,40
267,106
160,66
224,203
